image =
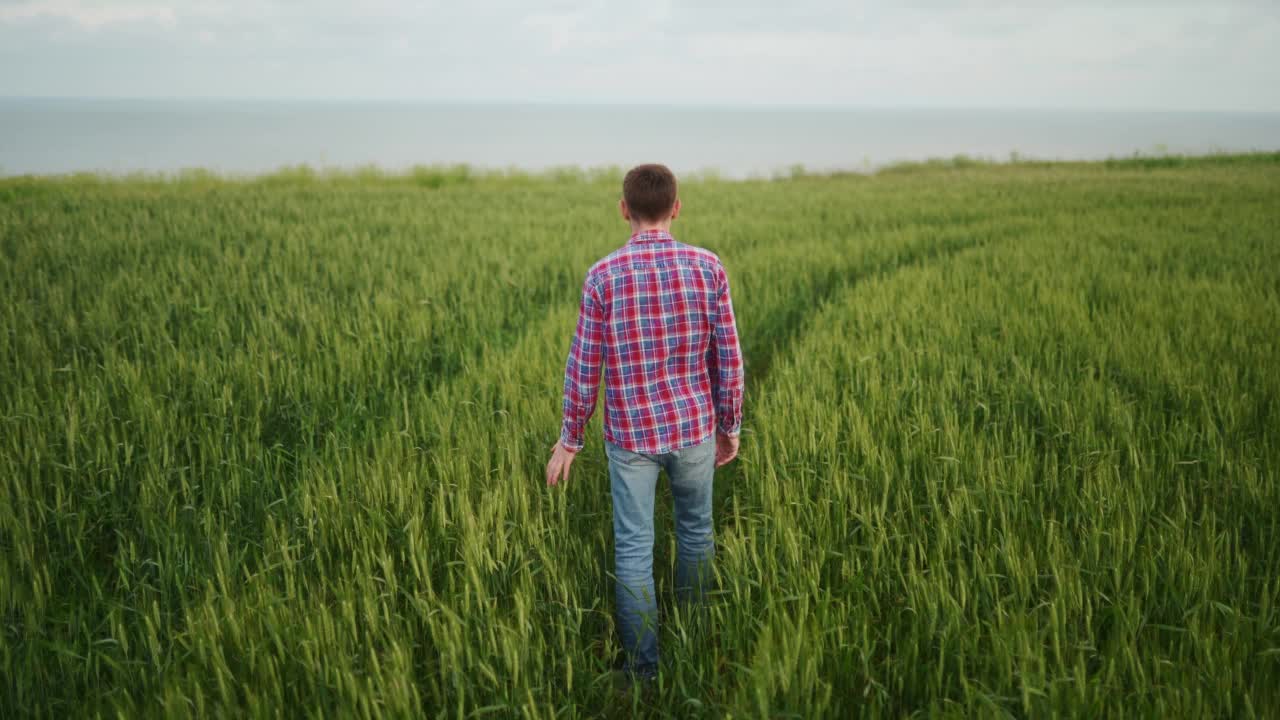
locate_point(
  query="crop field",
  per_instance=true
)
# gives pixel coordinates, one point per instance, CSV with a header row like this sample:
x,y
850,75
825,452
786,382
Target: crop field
x,y
275,446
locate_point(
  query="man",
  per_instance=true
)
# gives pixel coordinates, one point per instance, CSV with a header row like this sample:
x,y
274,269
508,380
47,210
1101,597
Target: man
x,y
657,314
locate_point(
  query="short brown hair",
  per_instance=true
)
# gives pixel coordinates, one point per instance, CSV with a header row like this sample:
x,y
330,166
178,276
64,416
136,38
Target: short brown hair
x,y
650,191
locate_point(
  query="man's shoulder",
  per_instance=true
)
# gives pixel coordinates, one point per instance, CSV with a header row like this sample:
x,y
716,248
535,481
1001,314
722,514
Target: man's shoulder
x,y
699,254
606,263
630,256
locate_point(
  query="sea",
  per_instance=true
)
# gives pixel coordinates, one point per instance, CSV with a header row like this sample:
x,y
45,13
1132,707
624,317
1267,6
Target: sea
x,y
113,136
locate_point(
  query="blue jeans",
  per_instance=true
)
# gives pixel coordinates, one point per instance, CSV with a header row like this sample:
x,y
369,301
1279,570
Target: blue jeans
x,y
633,479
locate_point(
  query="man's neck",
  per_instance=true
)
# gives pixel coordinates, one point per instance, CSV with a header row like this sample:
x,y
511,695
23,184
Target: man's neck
x,y
637,229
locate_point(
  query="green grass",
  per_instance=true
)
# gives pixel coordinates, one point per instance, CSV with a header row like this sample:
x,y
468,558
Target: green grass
x,y
274,446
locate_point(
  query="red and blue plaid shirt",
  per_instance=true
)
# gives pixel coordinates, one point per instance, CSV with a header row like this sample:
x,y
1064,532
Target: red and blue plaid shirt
x,y
657,313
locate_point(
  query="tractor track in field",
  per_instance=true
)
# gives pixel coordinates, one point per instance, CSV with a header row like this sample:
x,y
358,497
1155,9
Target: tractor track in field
x,y
543,307
791,322
778,330
794,321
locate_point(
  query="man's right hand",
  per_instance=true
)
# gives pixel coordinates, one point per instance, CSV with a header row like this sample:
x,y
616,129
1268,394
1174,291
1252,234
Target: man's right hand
x,y
726,448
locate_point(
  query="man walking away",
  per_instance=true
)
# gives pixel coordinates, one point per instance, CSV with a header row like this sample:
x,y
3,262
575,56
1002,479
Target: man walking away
x,y
657,313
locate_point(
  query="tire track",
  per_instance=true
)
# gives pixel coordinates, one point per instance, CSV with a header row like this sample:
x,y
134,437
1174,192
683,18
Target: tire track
x,y
786,325
791,323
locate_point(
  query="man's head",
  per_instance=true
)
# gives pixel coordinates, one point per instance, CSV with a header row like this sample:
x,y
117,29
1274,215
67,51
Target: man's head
x,y
649,197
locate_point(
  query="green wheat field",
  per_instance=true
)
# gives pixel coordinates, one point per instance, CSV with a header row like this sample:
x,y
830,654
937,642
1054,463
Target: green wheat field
x,y
274,446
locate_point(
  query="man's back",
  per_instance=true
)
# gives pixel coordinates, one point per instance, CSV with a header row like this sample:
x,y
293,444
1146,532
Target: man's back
x,y
658,313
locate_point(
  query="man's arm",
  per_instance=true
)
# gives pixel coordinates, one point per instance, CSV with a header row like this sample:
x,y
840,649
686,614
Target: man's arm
x,y
582,372
727,372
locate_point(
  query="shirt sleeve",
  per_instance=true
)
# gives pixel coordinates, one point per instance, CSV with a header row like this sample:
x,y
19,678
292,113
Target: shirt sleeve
x,y
726,366
582,372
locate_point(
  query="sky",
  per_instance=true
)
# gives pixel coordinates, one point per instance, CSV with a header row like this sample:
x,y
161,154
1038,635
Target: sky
x,y
1212,55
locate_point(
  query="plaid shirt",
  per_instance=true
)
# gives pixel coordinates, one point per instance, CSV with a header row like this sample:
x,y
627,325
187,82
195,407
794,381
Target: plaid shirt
x,y
657,313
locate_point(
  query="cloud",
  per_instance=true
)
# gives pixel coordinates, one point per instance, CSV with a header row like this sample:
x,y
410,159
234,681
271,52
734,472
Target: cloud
x,y
1091,53
89,15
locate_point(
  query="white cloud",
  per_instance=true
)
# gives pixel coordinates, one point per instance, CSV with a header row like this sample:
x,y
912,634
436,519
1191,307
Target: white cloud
x,y
89,15
1092,53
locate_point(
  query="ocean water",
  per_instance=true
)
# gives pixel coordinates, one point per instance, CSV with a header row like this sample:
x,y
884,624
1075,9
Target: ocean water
x,y
45,136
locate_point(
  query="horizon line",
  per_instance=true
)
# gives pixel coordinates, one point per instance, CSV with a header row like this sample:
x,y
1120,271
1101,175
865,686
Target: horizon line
x,y
727,105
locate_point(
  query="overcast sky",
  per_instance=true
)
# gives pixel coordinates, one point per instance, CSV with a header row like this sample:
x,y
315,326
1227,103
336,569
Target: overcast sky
x,y
1109,54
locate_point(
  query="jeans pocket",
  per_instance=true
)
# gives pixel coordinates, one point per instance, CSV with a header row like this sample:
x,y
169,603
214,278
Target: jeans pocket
x,y
621,455
704,452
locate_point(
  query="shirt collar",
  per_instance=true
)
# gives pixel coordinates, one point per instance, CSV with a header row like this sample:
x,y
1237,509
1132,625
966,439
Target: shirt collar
x,y
650,236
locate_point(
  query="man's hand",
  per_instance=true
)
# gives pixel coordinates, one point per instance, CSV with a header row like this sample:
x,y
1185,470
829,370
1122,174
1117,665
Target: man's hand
x,y
726,448
558,467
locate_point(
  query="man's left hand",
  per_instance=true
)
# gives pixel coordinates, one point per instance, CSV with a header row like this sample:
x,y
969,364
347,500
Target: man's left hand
x,y
558,467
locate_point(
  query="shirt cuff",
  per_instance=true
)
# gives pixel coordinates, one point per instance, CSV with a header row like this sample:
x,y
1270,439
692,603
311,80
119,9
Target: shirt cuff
x,y
568,442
